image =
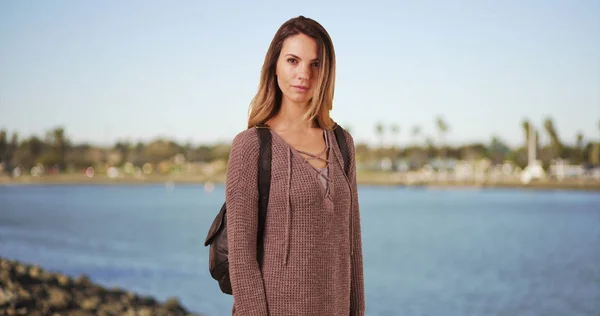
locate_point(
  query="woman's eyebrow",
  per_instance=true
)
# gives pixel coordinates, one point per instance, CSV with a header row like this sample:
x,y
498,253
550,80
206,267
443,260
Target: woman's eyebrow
x,y
292,55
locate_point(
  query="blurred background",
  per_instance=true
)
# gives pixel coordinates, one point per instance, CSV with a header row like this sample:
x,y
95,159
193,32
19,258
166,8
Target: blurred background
x,y
477,128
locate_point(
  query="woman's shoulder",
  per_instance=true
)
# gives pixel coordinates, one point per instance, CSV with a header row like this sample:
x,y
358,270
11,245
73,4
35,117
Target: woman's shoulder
x,y
246,137
245,141
347,135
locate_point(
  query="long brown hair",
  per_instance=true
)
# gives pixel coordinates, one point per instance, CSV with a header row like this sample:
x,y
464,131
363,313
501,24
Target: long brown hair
x,y
267,101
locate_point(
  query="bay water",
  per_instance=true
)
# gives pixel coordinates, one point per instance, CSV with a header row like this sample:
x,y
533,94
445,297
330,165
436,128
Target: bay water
x,y
426,251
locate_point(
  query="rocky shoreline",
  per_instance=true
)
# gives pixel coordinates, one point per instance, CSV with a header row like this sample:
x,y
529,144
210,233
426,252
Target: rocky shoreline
x,y
27,289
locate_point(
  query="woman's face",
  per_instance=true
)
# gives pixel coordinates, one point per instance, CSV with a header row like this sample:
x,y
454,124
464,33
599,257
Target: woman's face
x,y
297,69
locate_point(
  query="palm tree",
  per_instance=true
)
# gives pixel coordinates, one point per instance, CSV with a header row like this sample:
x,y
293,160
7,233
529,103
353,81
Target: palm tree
x,y
579,140
395,129
429,146
379,129
555,143
3,145
14,142
415,152
579,154
415,133
442,129
60,146
10,151
526,127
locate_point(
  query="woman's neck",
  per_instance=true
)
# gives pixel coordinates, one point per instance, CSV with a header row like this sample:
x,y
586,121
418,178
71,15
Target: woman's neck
x,y
290,119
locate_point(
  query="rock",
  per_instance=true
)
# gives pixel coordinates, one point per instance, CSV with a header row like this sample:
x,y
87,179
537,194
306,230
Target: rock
x,y
129,312
145,311
35,272
20,270
81,313
128,298
38,290
6,297
30,290
145,301
115,308
173,304
91,303
23,299
63,280
4,274
83,280
58,299
118,290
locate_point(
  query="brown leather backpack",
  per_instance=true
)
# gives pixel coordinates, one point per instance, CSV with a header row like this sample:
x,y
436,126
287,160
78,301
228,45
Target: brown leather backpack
x,y
217,234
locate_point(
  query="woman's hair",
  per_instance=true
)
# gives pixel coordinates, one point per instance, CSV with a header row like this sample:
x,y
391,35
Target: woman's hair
x,y
267,101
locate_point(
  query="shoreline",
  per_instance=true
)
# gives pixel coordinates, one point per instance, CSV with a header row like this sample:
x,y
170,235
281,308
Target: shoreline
x,y
368,179
28,289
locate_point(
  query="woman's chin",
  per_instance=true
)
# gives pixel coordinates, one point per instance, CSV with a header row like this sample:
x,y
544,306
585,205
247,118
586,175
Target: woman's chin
x,y
299,100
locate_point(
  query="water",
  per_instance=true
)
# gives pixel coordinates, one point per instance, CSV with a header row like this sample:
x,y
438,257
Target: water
x,y
426,252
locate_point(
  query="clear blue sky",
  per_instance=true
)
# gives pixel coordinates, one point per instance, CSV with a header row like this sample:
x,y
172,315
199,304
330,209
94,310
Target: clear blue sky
x,y
108,70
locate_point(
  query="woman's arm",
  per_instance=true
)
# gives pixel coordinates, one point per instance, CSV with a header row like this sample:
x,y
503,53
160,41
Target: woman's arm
x,y
357,293
241,198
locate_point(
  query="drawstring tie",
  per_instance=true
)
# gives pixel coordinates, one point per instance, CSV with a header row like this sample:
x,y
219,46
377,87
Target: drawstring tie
x,y
288,208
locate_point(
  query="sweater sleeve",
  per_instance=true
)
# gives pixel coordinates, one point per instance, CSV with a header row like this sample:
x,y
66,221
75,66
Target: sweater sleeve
x,y
241,198
357,294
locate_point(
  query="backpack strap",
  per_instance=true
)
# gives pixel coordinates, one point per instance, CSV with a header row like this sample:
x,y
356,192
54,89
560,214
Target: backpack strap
x,y
341,140
264,184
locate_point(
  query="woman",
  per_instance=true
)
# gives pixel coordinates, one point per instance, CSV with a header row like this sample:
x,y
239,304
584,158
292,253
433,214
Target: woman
x,y
312,261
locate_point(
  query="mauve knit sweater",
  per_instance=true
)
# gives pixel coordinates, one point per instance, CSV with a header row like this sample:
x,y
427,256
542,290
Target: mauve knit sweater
x,y
313,250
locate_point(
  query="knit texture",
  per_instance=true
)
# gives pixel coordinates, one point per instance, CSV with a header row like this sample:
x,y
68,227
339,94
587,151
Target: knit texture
x,y
313,249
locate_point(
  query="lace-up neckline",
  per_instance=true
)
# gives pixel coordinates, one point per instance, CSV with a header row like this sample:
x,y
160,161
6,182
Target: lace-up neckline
x,y
322,173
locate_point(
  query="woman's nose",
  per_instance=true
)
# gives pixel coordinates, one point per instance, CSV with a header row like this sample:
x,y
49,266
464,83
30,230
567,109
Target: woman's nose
x,y
304,72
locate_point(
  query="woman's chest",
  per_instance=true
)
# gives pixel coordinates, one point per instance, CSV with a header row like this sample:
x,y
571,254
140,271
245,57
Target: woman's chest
x,y
302,187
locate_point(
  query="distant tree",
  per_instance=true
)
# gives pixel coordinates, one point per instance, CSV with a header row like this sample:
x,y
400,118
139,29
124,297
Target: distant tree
x,y
14,141
363,153
29,152
555,143
10,152
160,150
220,152
526,127
379,129
395,129
35,147
579,140
3,145
430,146
139,146
498,150
123,148
443,129
578,155
473,151
415,133
594,156
57,139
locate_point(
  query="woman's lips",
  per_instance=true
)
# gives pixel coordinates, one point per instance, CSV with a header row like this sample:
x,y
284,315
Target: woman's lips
x,y
300,88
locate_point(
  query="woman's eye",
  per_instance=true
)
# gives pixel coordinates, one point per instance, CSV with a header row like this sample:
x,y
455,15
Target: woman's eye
x,y
315,65
291,60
